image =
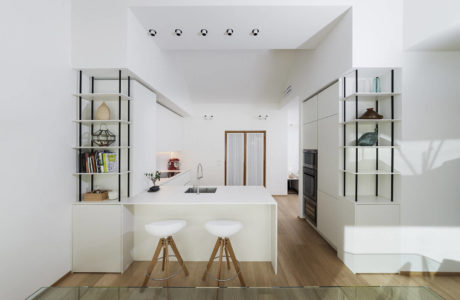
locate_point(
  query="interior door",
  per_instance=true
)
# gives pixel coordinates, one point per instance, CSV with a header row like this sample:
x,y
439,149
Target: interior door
x,y
255,158
245,158
234,159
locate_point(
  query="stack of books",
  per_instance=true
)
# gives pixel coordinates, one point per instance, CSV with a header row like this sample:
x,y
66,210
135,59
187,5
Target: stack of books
x,y
99,162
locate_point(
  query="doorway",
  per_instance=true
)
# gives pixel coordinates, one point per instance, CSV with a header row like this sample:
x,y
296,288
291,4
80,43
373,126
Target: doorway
x,y
245,157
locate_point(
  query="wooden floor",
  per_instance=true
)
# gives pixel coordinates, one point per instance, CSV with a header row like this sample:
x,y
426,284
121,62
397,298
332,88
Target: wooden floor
x,y
304,259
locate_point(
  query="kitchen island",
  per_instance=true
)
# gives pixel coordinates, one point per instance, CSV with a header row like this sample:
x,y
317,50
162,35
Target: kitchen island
x,y
109,235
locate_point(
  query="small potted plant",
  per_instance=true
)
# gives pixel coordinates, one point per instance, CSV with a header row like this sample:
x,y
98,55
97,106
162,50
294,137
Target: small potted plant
x,y
154,177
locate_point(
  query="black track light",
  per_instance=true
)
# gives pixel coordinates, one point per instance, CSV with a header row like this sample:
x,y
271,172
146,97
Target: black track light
x,y
229,31
152,32
178,32
204,32
255,32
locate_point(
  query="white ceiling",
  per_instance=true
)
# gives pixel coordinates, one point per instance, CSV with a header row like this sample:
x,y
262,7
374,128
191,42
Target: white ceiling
x,y
235,75
281,27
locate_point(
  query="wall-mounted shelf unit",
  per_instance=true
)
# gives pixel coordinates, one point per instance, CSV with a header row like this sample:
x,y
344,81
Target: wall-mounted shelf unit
x,y
361,90
121,127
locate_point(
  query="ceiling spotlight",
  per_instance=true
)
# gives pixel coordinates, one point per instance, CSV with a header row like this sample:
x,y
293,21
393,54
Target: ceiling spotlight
x,y
204,32
178,32
229,31
152,32
255,32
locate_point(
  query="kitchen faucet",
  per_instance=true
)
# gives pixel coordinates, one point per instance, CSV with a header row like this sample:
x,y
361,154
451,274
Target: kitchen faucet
x,y
199,175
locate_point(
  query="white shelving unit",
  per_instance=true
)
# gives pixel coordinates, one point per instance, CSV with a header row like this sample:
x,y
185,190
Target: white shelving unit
x,y
353,102
120,124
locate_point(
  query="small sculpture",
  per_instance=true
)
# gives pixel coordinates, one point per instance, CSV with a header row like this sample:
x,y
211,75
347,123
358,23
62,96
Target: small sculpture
x,y
103,112
103,137
154,177
368,139
371,114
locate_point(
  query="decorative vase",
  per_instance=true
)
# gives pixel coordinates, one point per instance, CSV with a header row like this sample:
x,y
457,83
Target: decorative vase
x,y
371,114
103,112
376,88
154,188
368,139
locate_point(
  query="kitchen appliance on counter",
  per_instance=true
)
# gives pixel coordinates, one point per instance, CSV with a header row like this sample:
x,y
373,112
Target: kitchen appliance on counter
x,y
173,165
310,181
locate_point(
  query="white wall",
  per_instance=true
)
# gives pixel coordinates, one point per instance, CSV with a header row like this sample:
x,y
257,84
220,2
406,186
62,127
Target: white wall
x,y
204,141
292,110
425,19
315,69
170,131
431,161
37,136
105,34
99,31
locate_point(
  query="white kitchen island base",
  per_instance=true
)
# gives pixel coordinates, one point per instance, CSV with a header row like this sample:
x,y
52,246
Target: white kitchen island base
x,y
253,206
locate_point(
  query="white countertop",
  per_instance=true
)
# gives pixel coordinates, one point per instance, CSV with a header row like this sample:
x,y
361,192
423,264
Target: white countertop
x,y
175,195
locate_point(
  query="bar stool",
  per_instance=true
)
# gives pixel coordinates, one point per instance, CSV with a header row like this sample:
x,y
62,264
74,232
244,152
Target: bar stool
x,y
165,230
223,229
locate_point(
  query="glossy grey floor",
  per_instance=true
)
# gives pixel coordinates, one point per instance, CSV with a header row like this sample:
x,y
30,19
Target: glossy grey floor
x,y
300,293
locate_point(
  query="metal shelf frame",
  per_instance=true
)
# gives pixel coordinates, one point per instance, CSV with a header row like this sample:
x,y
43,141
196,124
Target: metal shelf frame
x,y
392,121
120,147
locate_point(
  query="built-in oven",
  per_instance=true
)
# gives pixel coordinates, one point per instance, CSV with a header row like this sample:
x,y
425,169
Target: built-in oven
x,y
310,181
310,158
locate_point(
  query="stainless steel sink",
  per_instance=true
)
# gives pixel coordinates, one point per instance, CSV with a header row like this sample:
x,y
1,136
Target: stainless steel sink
x,y
205,190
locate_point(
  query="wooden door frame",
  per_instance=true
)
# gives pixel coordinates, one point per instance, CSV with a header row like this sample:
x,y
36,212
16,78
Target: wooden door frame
x,y
244,168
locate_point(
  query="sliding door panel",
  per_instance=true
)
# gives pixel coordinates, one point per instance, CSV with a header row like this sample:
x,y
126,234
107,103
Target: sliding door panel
x,y
235,159
255,159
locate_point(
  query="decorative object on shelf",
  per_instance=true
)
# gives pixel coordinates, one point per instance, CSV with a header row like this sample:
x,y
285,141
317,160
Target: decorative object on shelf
x,y
96,195
154,177
103,137
103,112
368,139
113,195
371,114
376,87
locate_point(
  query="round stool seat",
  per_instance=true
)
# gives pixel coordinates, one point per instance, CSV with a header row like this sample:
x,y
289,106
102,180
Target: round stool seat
x,y
223,228
165,228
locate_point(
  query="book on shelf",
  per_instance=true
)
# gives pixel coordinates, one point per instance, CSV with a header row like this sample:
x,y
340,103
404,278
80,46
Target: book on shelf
x,y
98,162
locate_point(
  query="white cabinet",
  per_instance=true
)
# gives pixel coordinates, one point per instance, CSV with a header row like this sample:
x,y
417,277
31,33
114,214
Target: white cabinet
x,y
310,110
310,135
328,101
328,156
328,213
170,130
101,238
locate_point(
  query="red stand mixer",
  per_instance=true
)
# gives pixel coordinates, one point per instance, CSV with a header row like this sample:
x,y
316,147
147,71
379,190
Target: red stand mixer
x,y
173,164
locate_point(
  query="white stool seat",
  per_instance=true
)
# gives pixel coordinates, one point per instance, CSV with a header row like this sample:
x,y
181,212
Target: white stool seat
x,y
165,228
223,228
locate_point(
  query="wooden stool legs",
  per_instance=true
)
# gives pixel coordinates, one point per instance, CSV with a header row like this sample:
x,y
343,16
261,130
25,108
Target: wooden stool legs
x,y
223,244
164,243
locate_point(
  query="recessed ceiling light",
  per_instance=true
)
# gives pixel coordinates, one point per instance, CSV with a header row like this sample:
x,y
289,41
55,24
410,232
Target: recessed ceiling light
x,y
255,31
152,32
229,31
178,32
204,32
